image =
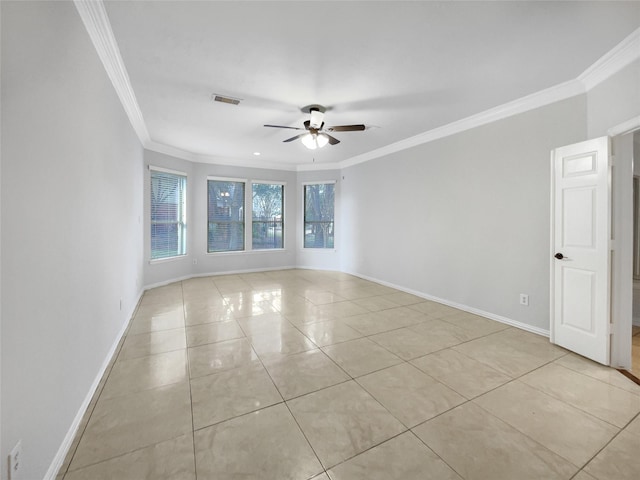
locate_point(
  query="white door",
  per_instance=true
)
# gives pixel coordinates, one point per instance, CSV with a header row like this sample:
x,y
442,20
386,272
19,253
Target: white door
x,y
580,268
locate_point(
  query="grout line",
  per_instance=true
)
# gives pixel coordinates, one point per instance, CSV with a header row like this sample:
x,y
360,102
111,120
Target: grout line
x,y
620,429
280,279
318,390
434,452
240,415
98,394
293,416
608,443
186,349
408,430
589,377
529,436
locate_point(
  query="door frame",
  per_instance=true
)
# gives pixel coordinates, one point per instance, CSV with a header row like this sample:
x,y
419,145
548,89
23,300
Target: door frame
x,y
622,242
636,224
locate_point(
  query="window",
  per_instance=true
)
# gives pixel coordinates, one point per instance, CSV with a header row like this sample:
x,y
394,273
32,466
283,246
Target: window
x,y
318,215
267,213
225,213
168,214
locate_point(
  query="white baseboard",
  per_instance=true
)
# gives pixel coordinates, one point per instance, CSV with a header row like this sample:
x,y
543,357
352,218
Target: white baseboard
x,y
215,274
323,269
58,460
426,296
66,444
459,306
166,282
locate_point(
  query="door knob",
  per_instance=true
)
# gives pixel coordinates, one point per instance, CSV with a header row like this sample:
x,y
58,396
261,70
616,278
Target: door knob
x,y
559,256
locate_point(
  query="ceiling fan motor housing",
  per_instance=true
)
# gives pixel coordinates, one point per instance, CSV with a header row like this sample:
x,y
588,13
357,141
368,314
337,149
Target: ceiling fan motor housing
x,y
317,118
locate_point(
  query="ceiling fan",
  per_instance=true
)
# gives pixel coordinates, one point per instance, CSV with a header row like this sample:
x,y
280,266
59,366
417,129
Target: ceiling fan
x,y
316,135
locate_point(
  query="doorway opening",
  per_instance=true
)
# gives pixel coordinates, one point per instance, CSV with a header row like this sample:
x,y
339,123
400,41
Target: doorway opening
x,y
635,334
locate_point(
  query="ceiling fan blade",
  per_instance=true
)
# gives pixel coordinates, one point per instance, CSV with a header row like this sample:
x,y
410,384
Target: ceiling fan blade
x,y
346,128
281,126
296,137
332,140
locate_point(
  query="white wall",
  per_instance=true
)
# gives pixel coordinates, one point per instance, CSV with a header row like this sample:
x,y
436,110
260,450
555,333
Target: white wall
x,y
293,255
636,152
614,101
72,176
2,466
216,263
464,218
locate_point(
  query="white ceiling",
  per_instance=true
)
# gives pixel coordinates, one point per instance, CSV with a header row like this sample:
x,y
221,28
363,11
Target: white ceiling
x,y
403,68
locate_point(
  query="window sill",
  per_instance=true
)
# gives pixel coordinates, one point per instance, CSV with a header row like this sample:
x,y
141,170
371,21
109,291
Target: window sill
x,y
154,261
248,252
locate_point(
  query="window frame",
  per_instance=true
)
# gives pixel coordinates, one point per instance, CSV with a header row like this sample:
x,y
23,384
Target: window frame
x,y
304,205
283,214
182,223
244,215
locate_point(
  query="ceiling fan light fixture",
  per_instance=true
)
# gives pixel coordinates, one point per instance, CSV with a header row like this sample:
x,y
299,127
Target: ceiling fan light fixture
x,y
322,140
314,134
309,141
314,140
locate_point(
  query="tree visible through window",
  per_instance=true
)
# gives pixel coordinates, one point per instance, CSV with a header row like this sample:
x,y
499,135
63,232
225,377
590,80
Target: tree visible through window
x,y
267,213
225,213
168,214
318,215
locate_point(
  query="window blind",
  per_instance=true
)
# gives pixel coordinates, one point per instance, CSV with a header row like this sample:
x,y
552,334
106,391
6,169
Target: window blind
x,y
168,214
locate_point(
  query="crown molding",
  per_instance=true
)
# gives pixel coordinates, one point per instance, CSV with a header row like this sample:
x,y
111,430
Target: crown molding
x,y
535,100
170,151
213,160
623,128
95,19
627,51
306,167
623,54
239,162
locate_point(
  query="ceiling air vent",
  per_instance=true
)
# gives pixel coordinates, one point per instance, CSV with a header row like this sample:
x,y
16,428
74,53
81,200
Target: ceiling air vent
x,y
221,98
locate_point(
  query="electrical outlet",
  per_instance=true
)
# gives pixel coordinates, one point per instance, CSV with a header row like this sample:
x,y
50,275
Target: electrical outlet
x,y
15,462
524,299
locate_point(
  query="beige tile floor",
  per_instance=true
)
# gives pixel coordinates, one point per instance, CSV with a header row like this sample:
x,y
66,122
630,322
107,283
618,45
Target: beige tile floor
x,y
320,375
